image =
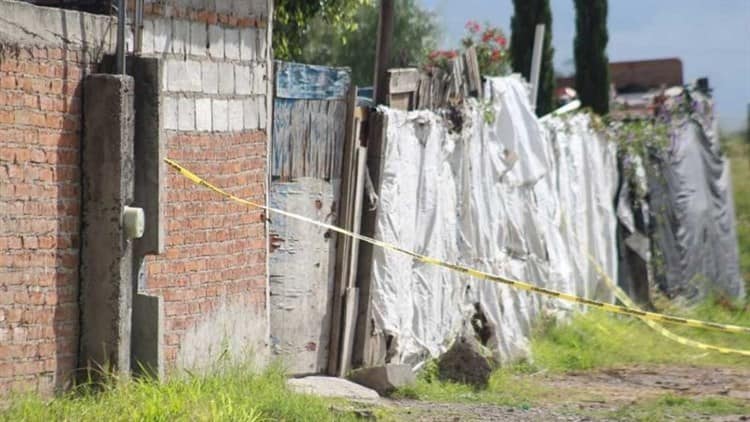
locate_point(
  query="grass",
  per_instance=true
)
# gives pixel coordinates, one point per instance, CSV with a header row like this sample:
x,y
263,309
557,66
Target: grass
x,y
506,387
739,156
235,393
598,340
678,408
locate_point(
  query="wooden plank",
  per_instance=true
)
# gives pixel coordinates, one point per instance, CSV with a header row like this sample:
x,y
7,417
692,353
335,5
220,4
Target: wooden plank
x,y
350,310
364,342
474,78
345,220
310,82
403,101
402,80
300,270
303,149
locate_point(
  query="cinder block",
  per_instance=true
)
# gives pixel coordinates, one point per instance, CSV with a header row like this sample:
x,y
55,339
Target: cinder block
x,y
219,115
232,43
203,114
262,111
210,77
259,78
169,111
180,36
216,41
186,116
198,38
192,76
129,40
223,6
175,75
250,113
248,44
226,78
262,44
259,7
164,77
243,83
162,36
235,115
147,43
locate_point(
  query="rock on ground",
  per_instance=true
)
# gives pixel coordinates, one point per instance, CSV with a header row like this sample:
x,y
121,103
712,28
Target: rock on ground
x,y
332,387
465,363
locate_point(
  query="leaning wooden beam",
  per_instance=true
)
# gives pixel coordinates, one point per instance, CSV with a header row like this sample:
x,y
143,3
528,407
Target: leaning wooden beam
x,y
369,350
346,220
351,298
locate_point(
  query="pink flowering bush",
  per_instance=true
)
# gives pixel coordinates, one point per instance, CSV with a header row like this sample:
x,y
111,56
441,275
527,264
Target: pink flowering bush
x,y
490,45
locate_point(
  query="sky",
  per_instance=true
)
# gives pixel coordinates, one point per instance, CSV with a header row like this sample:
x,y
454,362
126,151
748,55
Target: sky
x,y
712,38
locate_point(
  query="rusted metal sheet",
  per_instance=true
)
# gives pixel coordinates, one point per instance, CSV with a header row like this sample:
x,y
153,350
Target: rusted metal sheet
x,y
309,123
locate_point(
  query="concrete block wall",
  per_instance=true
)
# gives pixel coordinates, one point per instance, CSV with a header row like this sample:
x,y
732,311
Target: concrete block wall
x,y
214,107
41,74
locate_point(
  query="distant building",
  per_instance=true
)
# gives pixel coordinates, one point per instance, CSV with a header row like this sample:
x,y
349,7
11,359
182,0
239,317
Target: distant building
x,y
634,83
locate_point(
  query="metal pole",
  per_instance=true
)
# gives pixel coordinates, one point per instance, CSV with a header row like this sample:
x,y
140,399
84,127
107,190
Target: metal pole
x,y
536,63
138,27
383,50
121,17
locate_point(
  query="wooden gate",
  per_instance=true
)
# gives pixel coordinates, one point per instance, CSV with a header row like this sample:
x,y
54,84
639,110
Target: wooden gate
x,y
309,129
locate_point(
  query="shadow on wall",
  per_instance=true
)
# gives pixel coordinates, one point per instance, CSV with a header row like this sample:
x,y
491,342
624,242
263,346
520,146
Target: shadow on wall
x,y
77,60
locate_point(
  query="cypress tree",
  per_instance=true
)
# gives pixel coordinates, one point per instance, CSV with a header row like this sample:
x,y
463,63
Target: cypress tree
x,y
527,14
590,51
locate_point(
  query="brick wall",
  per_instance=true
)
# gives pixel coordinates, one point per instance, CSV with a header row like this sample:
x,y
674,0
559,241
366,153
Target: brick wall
x,y
212,276
214,102
40,125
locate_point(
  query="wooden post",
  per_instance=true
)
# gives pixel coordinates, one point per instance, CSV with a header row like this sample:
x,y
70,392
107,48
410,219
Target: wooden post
x,y
345,213
536,63
351,298
383,50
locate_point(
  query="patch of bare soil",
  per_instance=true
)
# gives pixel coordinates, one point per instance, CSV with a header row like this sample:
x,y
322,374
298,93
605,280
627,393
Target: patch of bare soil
x,y
584,396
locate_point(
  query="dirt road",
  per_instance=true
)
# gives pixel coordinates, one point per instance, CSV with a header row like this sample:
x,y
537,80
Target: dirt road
x,y
627,393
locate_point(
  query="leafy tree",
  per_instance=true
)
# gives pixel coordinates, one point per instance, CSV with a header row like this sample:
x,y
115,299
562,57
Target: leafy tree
x,y
590,50
527,14
414,35
292,19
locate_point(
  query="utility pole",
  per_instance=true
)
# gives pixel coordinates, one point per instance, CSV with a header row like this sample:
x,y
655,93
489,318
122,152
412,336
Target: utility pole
x,y
383,50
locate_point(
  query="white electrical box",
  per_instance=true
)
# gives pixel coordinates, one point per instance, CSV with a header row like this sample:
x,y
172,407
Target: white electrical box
x,y
134,222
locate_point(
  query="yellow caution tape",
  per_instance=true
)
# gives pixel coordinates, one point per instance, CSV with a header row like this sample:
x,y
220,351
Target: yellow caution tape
x,y
517,284
625,299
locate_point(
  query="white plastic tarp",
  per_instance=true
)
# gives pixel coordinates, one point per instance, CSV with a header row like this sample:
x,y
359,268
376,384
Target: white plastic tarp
x,y
498,197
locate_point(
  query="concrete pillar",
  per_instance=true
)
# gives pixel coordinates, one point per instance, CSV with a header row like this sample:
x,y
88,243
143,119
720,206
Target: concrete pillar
x,y
106,254
150,173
